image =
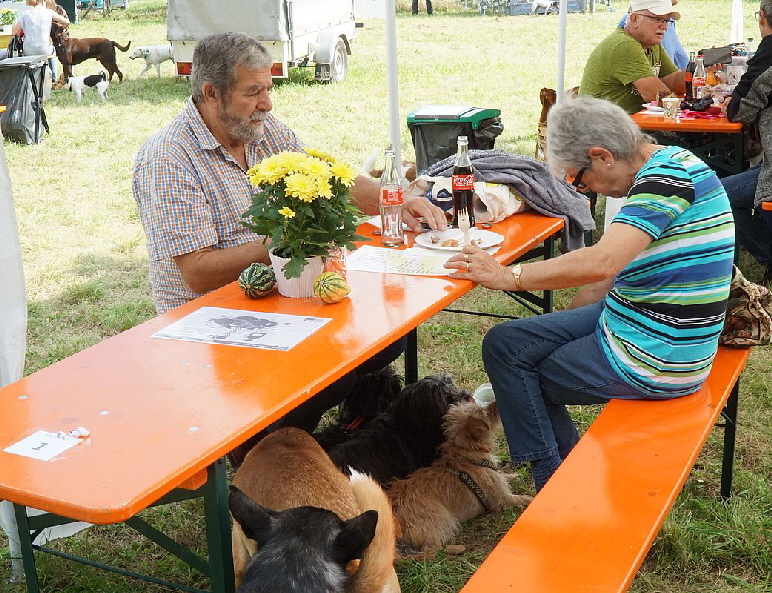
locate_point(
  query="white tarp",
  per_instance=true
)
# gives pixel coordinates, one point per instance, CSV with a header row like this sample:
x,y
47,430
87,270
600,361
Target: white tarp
x,y
13,321
265,20
13,330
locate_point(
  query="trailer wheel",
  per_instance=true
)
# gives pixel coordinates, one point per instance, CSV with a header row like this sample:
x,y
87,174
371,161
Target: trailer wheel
x,y
339,64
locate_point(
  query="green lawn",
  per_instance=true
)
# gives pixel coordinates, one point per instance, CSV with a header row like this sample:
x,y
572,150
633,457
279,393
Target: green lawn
x,y
86,269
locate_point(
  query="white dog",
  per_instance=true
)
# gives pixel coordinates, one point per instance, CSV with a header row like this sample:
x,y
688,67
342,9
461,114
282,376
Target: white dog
x,y
546,5
78,83
154,55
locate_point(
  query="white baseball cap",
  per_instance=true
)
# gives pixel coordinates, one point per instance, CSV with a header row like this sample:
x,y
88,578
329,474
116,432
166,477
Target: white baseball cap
x,y
658,7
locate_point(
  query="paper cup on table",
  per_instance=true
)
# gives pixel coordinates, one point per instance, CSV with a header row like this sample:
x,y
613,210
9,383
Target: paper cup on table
x,y
484,395
670,107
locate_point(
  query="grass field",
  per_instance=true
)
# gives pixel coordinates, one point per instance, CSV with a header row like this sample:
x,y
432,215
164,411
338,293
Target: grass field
x,y
86,269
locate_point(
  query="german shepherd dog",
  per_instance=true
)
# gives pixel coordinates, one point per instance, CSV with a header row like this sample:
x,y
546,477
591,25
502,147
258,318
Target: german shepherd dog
x,y
301,526
404,437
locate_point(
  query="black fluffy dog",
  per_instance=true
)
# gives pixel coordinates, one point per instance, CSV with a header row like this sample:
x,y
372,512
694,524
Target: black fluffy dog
x,y
371,395
404,437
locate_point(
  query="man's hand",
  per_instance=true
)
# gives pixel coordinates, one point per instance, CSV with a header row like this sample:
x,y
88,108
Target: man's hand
x,y
418,206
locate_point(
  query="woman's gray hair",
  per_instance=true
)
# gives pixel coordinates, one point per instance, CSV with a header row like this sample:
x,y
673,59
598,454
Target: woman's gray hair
x,y
576,125
766,8
217,57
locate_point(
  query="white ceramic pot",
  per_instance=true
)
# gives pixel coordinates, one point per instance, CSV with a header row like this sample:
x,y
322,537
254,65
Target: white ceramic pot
x,y
298,288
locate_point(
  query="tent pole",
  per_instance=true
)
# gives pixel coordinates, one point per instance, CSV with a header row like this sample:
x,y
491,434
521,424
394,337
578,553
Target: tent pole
x,y
391,63
562,50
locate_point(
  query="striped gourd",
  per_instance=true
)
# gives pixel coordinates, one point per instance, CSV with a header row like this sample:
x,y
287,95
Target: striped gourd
x,y
257,280
331,287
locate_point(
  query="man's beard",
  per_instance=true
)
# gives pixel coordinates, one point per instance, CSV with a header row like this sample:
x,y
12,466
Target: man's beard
x,y
242,128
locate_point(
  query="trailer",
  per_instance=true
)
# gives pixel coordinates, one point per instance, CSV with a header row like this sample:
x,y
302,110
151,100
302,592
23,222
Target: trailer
x,y
295,32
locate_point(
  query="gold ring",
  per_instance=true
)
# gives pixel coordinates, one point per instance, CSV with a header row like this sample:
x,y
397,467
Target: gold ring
x,y
466,263
466,258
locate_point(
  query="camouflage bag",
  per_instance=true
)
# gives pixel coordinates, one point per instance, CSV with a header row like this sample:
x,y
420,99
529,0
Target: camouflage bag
x,y
748,321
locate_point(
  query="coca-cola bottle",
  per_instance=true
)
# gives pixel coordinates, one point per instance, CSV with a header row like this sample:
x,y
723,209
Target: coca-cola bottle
x,y
699,80
689,75
463,182
391,200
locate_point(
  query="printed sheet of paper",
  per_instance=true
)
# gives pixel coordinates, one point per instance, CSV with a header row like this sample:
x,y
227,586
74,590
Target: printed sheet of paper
x,y
43,445
413,262
249,329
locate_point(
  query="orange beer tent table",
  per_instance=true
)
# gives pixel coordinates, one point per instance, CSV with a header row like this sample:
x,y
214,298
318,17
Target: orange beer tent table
x,y
722,150
161,412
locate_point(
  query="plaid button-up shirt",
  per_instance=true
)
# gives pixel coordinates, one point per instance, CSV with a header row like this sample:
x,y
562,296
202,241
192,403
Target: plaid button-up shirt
x,y
191,194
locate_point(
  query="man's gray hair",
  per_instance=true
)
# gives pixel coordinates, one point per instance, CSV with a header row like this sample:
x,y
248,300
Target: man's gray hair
x,y
217,57
766,8
576,125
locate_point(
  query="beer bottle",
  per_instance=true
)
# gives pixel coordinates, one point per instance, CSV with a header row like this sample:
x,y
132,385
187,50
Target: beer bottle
x,y
391,200
463,182
689,75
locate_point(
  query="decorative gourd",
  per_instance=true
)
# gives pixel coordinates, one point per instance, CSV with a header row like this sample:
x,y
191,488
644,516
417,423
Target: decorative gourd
x,y
257,280
331,287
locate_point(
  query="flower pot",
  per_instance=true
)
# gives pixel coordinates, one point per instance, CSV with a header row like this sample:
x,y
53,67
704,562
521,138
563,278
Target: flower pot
x,y
298,288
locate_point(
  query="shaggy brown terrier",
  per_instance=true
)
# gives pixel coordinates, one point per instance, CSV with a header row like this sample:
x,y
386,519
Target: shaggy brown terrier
x,y
288,469
464,482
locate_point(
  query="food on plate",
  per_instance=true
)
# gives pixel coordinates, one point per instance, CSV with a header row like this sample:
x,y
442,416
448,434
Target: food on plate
x,y
449,243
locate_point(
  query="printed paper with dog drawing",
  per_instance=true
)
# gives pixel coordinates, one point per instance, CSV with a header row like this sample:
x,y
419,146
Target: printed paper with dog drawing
x,y
250,329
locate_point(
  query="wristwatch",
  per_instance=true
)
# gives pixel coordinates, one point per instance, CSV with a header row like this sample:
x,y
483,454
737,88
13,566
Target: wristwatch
x,y
517,270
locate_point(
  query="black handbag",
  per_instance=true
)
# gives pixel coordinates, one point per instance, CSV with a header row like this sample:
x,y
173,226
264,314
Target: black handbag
x,y
15,47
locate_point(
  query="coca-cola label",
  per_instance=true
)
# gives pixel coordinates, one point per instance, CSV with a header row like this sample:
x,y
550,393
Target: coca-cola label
x,y
463,182
392,196
698,81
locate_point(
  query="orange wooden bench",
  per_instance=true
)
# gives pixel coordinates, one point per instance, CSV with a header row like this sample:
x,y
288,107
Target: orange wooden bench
x,y
592,525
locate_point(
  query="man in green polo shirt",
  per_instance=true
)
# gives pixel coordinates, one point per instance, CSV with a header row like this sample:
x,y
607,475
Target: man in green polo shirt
x,y
629,67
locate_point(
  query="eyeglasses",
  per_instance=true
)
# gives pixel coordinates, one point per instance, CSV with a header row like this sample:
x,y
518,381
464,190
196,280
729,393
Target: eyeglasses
x,y
577,180
660,20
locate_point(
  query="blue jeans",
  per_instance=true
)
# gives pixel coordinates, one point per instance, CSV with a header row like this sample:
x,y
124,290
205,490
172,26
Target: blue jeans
x,y
539,364
753,233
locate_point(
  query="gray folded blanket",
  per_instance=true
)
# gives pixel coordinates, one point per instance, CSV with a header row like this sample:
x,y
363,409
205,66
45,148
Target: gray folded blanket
x,y
532,180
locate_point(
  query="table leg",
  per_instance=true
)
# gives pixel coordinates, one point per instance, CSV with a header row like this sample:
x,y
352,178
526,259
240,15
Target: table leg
x,y
730,433
411,357
27,552
218,529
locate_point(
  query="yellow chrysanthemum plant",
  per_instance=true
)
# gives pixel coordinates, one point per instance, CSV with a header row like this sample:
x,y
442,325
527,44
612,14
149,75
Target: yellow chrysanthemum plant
x,y
302,203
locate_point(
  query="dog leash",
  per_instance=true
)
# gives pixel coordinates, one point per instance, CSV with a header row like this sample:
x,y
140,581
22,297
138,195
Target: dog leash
x,y
471,484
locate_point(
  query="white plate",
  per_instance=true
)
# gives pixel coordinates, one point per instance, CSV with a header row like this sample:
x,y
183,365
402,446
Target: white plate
x,y
484,239
651,107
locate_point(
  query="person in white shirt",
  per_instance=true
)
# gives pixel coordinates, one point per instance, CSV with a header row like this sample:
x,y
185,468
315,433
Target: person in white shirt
x,y
36,24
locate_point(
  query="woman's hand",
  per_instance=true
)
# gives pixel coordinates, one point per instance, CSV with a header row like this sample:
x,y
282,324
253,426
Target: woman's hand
x,y
475,264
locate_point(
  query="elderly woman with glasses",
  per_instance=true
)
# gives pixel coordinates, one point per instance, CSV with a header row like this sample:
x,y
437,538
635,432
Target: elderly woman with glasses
x,y
646,322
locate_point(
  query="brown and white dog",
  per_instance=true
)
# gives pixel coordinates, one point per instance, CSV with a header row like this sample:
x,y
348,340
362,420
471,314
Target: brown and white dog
x,y
301,525
433,502
74,51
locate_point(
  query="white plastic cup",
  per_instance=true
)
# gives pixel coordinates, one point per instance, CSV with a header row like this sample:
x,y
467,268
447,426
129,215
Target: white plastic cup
x,y
484,395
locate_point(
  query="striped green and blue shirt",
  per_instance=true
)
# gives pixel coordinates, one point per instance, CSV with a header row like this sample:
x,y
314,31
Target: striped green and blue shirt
x,y
663,317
